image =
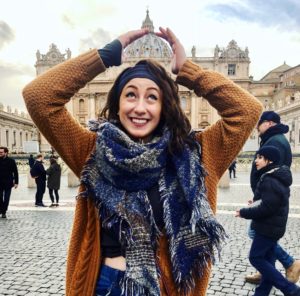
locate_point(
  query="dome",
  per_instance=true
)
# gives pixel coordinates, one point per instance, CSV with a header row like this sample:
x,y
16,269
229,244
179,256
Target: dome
x,y
148,46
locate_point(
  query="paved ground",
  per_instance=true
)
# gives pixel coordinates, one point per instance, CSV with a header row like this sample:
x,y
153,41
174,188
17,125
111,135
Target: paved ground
x,y
33,241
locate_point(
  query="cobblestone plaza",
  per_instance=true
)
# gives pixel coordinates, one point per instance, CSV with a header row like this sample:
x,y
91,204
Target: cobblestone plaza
x,y
34,241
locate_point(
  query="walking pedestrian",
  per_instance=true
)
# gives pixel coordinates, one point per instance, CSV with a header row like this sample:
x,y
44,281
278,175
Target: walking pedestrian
x,y
232,170
9,178
269,214
38,172
271,131
53,181
142,168
31,161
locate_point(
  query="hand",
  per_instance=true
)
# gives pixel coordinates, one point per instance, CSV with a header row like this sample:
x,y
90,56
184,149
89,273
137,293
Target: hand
x,y
179,56
237,213
131,36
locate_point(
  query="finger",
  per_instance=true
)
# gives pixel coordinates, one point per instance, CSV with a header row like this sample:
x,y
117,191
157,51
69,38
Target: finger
x,y
163,34
130,36
171,35
133,35
163,31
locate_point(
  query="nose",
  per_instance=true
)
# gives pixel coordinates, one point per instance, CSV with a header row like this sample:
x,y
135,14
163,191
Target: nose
x,y
140,107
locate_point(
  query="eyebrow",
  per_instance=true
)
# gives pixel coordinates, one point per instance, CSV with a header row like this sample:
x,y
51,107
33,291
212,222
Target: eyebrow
x,y
148,88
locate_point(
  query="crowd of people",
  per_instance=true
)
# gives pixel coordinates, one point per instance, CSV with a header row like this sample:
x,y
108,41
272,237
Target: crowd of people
x,y
9,178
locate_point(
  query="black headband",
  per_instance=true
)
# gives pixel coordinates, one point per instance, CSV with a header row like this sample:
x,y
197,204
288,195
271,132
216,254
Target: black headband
x,y
138,71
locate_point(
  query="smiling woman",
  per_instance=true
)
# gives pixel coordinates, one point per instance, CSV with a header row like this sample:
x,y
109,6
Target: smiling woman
x,y
144,221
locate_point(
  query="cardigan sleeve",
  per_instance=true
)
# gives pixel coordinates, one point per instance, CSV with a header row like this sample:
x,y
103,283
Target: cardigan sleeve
x,y
45,99
239,112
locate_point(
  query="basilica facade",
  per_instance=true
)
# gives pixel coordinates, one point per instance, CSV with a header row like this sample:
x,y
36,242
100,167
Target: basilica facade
x,y
232,61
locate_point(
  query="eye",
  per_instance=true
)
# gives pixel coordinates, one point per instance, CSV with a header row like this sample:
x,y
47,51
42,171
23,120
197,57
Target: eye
x,y
153,97
130,94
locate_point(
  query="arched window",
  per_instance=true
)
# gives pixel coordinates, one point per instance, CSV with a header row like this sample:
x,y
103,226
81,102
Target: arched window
x,y
81,106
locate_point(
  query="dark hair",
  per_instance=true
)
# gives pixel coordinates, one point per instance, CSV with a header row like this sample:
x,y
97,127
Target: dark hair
x,y
39,156
52,160
172,115
270,152
4,148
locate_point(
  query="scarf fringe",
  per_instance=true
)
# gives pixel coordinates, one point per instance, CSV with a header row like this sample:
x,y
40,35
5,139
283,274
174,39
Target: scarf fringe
x,y
187,284
131,288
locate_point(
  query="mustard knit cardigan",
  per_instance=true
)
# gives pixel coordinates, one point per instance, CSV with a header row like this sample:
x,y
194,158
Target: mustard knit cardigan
x,y
45,99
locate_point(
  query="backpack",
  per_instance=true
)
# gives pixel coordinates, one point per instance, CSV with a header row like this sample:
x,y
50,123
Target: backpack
x,y
33,171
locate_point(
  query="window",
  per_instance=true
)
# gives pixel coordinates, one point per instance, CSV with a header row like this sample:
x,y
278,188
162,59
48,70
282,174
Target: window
x,y
81,106
183,103
231,69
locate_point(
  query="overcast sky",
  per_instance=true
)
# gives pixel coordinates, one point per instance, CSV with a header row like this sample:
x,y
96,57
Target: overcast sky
x,y
269,28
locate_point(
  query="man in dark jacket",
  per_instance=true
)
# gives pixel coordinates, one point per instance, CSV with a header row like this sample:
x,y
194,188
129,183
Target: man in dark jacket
x,y
38,172
269,214
31,161
271,131
9,178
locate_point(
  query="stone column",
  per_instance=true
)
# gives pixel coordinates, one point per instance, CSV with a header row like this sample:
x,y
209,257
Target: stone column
x,y
2,135
10,138
224,181
30,181
92,107
194,111
73,181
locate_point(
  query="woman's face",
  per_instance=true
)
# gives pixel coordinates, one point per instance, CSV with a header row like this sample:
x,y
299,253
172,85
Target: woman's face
x,y
140,108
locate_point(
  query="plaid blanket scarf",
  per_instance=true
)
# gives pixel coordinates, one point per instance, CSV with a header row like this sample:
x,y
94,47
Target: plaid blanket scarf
x,y
118,175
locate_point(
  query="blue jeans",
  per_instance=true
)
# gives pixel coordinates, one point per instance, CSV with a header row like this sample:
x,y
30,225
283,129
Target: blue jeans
x,y
108,283
281,255
262,257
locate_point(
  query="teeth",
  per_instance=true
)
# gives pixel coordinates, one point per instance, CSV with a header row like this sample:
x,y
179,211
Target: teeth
x,y
139,120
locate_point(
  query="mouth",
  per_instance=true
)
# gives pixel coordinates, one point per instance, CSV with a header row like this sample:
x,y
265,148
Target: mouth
x,y
139,121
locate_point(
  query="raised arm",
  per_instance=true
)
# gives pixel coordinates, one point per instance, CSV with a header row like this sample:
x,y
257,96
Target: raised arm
x,y
238,109
46,96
